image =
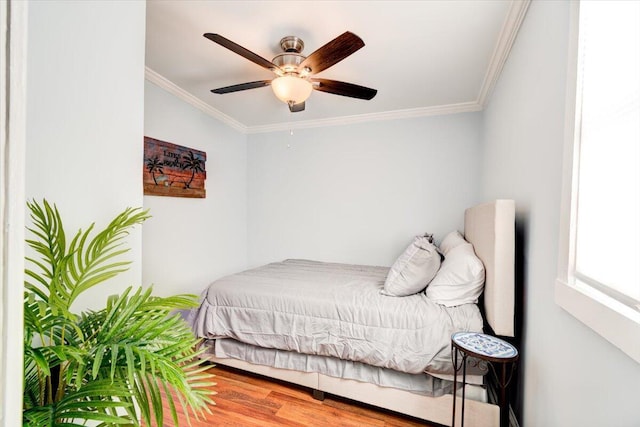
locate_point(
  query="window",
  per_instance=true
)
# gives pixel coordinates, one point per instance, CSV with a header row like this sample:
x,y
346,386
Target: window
x,y
599,271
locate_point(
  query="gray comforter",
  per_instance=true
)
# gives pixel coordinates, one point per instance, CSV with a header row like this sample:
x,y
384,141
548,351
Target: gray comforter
x,y
333,310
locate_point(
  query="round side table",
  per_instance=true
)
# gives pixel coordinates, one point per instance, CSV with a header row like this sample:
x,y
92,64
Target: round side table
x,y
498,354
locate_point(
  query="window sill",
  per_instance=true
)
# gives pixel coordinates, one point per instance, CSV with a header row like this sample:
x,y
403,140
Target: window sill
x,y
617,323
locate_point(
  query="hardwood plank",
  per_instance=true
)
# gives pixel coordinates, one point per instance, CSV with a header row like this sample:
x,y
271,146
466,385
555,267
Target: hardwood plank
x,y
248,400
323,416
389,418
265,383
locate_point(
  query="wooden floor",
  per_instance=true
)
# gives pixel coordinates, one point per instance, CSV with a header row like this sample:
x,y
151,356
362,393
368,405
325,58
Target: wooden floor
x,y
245,399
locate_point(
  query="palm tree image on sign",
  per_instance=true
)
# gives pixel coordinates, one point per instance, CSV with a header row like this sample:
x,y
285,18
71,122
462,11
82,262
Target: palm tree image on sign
x,y
173,170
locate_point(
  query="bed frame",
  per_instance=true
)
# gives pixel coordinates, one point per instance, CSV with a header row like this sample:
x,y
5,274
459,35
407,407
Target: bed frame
x,y
490,227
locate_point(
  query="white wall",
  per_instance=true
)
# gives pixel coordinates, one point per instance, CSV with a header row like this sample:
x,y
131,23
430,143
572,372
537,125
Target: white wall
x,y
85,94
572,377
359,193
190,242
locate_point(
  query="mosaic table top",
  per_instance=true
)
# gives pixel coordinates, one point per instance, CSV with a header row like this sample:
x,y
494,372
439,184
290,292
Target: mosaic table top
x,y
484,345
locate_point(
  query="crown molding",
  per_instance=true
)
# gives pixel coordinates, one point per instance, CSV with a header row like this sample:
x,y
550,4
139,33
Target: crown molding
x,y
507,37
164,83
464,107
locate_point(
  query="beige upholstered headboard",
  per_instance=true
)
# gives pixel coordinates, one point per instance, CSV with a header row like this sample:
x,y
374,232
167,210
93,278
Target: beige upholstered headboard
x,y
490,227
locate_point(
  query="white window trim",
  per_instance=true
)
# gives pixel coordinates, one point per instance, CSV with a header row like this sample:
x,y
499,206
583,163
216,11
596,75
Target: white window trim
x,y
616,322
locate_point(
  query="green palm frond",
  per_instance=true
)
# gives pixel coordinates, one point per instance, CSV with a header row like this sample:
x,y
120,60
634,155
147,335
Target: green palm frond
x,y
51,328
50,244
93,261
48,228
91,403
65,273
94,365
140,342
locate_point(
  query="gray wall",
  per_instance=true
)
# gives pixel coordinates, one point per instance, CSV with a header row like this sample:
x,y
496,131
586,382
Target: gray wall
x,y
189,242
85,106
572,376
359,193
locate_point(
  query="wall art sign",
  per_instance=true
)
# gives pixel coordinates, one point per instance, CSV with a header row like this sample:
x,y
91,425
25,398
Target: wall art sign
x,y
173,170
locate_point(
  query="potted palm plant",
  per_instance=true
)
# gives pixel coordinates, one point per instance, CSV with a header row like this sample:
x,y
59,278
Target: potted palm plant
x,y
109,366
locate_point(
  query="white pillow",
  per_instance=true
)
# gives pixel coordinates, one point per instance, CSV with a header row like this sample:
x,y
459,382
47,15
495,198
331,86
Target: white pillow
x,y
460,279
450,241
414,269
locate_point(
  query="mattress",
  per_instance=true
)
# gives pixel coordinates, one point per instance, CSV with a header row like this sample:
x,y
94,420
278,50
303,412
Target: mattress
x,y
333,310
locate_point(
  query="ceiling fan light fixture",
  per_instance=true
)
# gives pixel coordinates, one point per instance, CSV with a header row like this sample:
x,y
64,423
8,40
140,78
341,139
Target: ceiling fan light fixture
x,y
291,89
294,72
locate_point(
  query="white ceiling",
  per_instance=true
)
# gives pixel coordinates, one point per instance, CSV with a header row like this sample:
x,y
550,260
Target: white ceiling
x,y
423,57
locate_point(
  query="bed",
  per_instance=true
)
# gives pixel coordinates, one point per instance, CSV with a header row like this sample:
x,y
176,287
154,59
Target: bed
x,y
330,327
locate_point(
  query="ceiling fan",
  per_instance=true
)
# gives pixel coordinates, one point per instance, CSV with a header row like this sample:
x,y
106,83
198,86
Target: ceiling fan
x,y
293,83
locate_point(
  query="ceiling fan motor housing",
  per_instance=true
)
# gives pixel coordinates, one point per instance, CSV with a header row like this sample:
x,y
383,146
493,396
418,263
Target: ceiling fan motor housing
x,y
292,44
289,61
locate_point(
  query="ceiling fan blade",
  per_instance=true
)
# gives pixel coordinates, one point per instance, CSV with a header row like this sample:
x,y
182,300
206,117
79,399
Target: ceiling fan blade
x,y
332,53
345,89
241,86
295,108
246,53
